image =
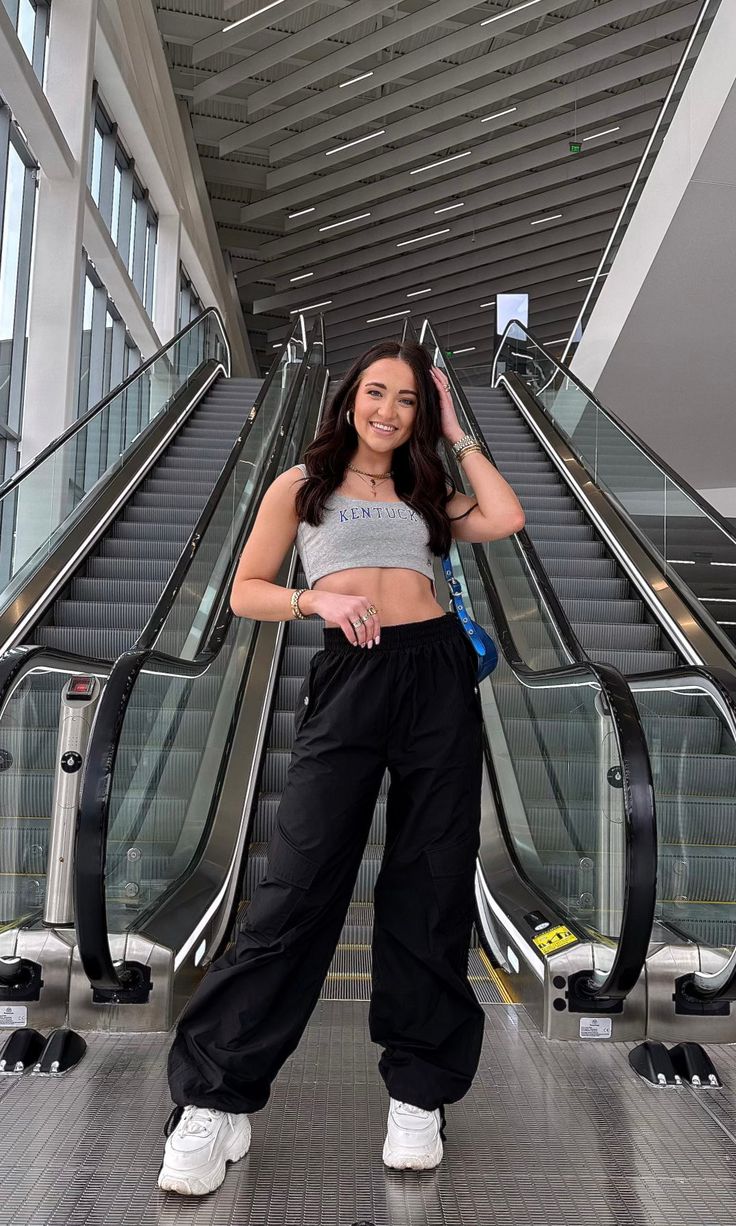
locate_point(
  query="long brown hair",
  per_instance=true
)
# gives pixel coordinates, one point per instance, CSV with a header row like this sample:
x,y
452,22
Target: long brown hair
x,y
419,477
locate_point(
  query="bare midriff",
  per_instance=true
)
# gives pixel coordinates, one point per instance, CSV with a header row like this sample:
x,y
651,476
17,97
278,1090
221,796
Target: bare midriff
x,y
399,595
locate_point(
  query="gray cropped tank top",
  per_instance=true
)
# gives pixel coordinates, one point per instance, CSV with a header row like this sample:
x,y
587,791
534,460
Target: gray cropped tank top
x,y
357,532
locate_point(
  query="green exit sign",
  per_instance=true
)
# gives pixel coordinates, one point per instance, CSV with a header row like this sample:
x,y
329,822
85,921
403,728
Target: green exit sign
x,y
575,146
449,353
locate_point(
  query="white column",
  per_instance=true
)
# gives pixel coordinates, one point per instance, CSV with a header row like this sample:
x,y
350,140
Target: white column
x,y
166,287
55,308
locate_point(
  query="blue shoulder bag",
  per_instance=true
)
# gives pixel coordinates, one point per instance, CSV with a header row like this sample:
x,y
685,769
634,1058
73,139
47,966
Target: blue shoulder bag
x,y
482,643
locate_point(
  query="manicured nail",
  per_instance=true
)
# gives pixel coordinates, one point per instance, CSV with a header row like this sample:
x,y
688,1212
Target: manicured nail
x,y
378,639
370,642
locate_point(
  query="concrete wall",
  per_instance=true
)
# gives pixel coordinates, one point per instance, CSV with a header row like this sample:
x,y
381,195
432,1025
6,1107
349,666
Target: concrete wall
x,y
660,346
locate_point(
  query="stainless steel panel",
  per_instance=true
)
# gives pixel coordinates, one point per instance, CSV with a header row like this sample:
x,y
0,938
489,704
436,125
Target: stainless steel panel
x,y
664,967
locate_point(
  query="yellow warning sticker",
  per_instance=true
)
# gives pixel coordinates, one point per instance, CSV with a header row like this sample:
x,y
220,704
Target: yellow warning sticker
x,y
553,939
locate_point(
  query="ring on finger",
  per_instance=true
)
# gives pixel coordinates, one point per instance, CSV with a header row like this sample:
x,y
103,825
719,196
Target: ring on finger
x,y
371,610
358,624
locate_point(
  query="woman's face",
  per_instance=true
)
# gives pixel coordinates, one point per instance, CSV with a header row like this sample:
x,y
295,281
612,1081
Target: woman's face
x,y
386,397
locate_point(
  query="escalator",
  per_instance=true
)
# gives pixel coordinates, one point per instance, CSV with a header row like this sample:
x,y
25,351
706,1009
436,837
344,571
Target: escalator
x,y
127,489
186,765
621,574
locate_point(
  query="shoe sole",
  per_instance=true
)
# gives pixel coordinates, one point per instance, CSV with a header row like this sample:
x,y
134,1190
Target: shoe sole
x,y
201,1185
399,1161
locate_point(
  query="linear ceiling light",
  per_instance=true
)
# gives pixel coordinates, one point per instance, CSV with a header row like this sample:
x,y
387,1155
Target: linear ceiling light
x,y
231,25
443,162
507,12
590,278
552,217
405,242
446,207
302,212
485,304
349,145
278,345
302,276
469,349
498,114
344,222
416,292
311,307
377,318
354,80
607,132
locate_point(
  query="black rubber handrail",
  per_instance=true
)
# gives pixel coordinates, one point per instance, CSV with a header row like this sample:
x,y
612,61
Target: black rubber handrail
x,y
92,827
82,421
638,787
677,480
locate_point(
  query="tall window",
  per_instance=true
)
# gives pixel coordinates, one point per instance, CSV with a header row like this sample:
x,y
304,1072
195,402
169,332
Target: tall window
x,y
18,177
108,354
124,205
31,21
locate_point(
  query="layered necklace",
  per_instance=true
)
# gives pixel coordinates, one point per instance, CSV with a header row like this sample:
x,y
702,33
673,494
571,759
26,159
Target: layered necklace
x,y
374,479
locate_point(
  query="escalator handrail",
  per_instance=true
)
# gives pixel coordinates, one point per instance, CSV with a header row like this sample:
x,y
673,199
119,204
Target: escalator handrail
x,y
92,827
676,478
720,984
638,787
84,420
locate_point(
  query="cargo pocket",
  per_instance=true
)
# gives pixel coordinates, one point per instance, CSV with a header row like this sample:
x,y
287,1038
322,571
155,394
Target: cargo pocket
x,y
452,867
305,698
278,895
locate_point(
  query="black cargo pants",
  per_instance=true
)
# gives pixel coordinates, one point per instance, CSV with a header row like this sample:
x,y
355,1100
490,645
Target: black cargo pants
x,y
410,705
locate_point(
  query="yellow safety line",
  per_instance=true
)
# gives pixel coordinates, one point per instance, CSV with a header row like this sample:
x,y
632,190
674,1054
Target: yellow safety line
x,y
495,977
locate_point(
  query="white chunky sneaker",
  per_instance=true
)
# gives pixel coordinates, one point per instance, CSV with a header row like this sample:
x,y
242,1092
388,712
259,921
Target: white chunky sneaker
x,y
199,1148
414,1138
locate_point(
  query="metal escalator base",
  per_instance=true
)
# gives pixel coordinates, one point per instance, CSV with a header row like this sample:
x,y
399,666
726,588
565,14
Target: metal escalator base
x,y
549,1133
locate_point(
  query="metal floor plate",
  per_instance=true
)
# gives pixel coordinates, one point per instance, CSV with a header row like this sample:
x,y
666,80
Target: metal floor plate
x,y
550,1133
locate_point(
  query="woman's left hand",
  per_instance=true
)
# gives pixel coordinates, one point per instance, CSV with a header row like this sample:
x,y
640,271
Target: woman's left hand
x,y
449,424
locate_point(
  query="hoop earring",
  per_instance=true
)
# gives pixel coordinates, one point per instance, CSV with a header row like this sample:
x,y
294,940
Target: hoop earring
x,y
348,418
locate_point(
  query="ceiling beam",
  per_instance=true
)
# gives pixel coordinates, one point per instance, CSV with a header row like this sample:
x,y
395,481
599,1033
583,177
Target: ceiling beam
x,y
497,59
495,174
292,44
580,199
496,95
503,22
343,195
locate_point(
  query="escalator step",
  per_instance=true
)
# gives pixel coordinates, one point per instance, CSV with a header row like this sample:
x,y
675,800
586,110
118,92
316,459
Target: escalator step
x,y
108,615
115,590
137,570
602,610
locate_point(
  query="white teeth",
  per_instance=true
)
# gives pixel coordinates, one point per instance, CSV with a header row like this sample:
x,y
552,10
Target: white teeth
x,y
386,429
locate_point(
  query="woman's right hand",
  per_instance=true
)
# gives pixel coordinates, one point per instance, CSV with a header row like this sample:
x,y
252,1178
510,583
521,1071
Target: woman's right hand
x,y
342,611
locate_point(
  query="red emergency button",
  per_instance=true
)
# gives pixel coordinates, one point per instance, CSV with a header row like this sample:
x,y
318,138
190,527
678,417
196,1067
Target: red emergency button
x,y
80,687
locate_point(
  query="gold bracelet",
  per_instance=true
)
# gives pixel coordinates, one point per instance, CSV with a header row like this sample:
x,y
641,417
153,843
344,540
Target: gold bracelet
x,y
295,604
466,450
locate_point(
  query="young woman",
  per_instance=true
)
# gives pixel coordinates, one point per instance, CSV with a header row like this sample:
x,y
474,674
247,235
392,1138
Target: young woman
x,y
394,687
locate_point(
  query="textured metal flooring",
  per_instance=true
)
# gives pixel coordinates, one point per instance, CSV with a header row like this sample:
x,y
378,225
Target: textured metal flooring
x,y
550,1133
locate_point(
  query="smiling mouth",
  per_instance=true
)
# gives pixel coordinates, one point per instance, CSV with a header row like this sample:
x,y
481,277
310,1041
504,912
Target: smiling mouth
x,y
383,429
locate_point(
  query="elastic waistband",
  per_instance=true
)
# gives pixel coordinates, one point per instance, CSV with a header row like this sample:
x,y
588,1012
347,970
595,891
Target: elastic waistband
x,y
406,634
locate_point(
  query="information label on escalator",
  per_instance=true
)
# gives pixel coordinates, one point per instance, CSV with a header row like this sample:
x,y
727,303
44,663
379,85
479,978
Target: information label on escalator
x,y
13,1015
553,939
596,1027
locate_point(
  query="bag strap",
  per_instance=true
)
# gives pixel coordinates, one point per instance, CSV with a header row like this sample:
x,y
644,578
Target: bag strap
x,y
456,595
